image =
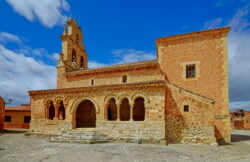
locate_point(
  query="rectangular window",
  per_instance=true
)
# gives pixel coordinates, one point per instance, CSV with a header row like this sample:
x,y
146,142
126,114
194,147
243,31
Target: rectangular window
x,y
7,119
186,108
92,81
124,79
26,119
190,71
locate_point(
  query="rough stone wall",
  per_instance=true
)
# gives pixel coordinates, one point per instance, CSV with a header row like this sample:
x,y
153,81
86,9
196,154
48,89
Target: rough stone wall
x,y
207,49
153,128
194,126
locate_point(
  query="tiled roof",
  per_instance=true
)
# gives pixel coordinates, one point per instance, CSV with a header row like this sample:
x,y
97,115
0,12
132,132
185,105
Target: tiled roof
x,y
126,65
17,108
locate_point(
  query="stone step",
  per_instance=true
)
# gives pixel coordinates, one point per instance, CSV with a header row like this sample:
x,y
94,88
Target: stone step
x,y
81,136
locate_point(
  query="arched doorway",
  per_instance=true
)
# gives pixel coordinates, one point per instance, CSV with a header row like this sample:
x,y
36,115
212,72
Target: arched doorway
x,y
61,111
112,110
125,110
51,111
85,115
139,109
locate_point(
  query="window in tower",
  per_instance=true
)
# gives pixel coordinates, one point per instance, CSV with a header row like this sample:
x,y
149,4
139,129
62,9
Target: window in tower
x,y
82,62
77,38
73,56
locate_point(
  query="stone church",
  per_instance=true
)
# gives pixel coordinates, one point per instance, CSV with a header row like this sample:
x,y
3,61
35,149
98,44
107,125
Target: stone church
x,y
181,97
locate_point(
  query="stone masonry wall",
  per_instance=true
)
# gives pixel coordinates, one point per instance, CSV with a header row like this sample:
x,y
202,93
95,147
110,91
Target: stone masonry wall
x,y
107,79
194,126
152,128
208,50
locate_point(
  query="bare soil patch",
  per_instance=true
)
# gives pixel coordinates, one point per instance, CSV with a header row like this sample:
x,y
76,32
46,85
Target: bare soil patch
x,y
14,146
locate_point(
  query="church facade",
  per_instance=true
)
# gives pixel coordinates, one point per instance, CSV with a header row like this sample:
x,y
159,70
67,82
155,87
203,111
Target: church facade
x,y
181,97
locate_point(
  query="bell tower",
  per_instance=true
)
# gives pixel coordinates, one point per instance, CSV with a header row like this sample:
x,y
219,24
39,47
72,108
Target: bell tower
x,y
73,56
73,50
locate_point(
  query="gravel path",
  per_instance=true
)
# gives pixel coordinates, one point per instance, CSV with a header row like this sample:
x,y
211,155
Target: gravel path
x,y
14,146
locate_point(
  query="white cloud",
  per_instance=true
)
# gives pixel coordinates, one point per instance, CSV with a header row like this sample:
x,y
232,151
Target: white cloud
x,y
126,55
213,23
55,56
240,105
239,53
94,64
48,12
8,37
21,72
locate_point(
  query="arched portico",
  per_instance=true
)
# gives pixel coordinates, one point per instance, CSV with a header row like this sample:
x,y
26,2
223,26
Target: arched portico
x,y
84,113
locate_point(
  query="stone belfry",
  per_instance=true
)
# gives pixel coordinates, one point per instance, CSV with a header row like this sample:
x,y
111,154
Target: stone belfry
x,y
73,56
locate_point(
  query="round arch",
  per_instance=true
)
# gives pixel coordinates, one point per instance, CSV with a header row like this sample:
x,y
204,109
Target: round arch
x,y
84,114
134,96
123,96
47,101
109,97
58,100
78,101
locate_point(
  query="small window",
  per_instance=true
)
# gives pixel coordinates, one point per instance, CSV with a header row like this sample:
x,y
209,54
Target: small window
x,y
26,119
82,62
186,108
190,71
77,38
7,119
124,79
73,56
92,82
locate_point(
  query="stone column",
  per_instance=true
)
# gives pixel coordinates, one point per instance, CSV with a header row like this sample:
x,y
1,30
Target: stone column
x,y
56,111
65,110
118,112
146,105
46,111
106,112
131,111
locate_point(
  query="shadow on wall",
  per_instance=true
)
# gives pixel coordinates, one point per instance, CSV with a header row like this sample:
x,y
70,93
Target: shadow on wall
x,y
219,138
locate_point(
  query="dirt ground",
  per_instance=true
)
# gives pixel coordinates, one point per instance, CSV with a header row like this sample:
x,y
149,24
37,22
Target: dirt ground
x,y
14,146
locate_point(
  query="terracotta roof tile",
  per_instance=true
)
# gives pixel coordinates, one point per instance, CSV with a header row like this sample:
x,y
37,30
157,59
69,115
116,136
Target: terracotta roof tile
x,y
17,108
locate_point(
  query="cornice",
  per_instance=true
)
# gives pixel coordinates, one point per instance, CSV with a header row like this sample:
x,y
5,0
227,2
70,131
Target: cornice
x,y
144,85
194,36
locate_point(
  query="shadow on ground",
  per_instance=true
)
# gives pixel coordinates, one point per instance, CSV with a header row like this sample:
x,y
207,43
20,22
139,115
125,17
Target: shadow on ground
x,y
239,137
9,131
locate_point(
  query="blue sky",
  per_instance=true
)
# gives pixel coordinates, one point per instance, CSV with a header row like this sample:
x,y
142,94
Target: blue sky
x,y
114,32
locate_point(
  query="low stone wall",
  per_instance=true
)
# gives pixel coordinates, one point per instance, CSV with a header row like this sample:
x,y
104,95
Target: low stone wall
x,y
49,127
134,131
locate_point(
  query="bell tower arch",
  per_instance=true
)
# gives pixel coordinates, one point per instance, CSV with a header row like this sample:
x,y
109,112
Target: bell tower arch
x,y
73,50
